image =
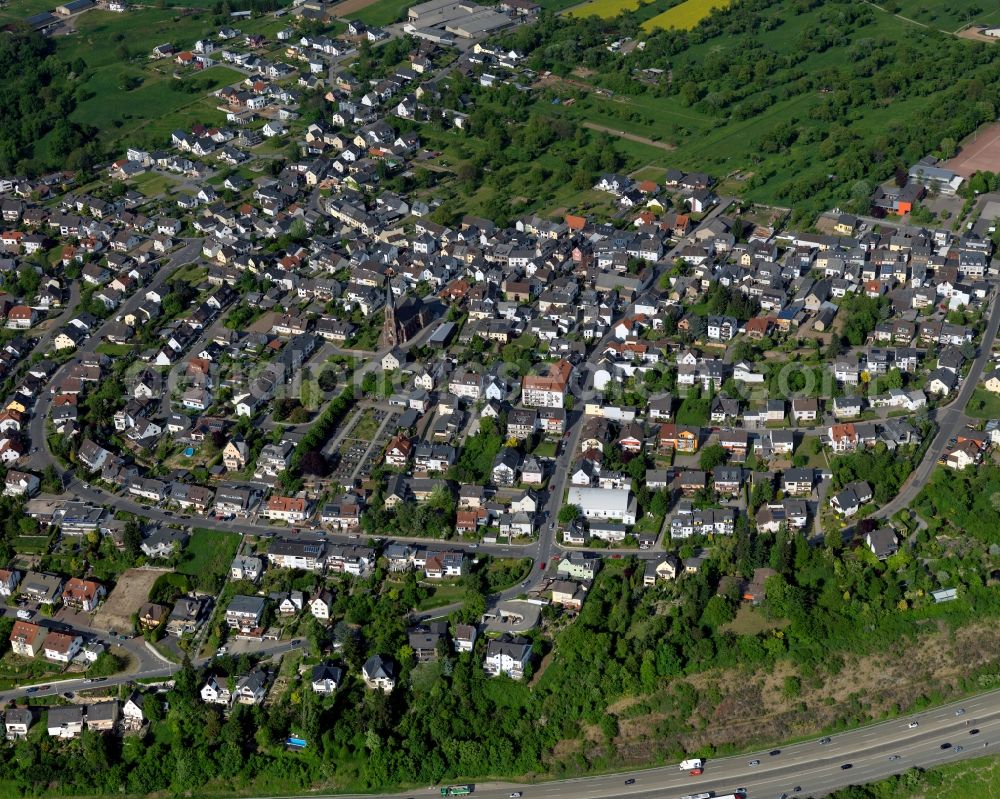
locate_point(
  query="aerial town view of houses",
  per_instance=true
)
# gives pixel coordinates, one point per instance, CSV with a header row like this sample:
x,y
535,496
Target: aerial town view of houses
x,y
317,473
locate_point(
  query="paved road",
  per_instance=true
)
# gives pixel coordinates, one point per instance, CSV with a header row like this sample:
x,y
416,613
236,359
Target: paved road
x,y
950,421
811,766
36,430
59,686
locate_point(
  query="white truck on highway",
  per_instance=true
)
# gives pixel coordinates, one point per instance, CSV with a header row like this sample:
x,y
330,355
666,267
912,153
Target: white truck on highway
x,y
692,764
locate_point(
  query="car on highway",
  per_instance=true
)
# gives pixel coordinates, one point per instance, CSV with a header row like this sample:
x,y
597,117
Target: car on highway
x,y
946,745
774,752
67,694
524,584
630,781
894,757
695,772
825,741
31,690
960,711
974,731
516,795
296,642
959,748
912,725
754,763
846,766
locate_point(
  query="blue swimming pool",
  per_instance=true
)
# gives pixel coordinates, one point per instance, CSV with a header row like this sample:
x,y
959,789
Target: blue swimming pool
x,y
189,452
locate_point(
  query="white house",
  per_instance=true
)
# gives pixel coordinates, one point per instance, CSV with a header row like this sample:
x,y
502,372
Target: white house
x,y
604,503
507,655
214,692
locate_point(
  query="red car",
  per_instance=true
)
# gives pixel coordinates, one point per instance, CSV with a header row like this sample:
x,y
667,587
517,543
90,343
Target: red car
x,y
695,772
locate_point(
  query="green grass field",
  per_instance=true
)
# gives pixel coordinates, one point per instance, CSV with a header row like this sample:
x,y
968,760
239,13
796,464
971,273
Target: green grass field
x,y
154,107
950,15
383,12
154,184
984,405
19,9
115,47
209,552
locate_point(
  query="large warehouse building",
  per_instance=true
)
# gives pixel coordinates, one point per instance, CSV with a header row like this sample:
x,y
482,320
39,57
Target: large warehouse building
x,y
463,19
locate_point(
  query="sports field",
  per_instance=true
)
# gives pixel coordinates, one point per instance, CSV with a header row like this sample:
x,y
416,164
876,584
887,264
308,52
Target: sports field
x,y
979,153
684,16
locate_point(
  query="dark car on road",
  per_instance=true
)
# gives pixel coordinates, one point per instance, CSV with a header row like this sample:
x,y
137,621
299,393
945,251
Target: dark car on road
x,y
946,746
846,766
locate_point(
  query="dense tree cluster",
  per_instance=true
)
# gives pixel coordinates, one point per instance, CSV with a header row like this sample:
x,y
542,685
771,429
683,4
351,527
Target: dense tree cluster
x,y
37,98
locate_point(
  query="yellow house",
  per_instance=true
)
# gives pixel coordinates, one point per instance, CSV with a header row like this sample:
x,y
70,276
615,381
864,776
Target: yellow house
x,y
845,225
14,405
992,382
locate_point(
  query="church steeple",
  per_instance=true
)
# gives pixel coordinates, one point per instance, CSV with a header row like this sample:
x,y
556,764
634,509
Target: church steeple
x,y
390,330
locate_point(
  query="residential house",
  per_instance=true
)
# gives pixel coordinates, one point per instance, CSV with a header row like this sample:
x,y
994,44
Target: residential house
x,y
379,673
508,655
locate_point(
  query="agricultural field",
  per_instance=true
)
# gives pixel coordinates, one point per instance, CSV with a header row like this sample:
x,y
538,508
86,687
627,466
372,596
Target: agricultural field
x,y
684,16
605,9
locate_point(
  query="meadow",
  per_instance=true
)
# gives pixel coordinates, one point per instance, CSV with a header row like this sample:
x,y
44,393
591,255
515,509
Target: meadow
x,y
684,16
115,48
382,12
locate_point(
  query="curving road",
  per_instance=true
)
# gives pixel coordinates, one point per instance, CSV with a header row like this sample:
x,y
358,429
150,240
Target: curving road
x,y
950,420
57,686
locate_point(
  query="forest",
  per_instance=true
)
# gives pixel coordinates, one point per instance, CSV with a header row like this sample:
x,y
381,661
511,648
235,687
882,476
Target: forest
x,y
37,97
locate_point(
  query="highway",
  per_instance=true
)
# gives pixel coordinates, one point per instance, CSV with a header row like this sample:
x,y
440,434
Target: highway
x,y
811,766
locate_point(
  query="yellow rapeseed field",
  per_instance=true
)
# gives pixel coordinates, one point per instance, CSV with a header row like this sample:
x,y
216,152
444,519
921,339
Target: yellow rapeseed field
x,y
605,9
684,16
